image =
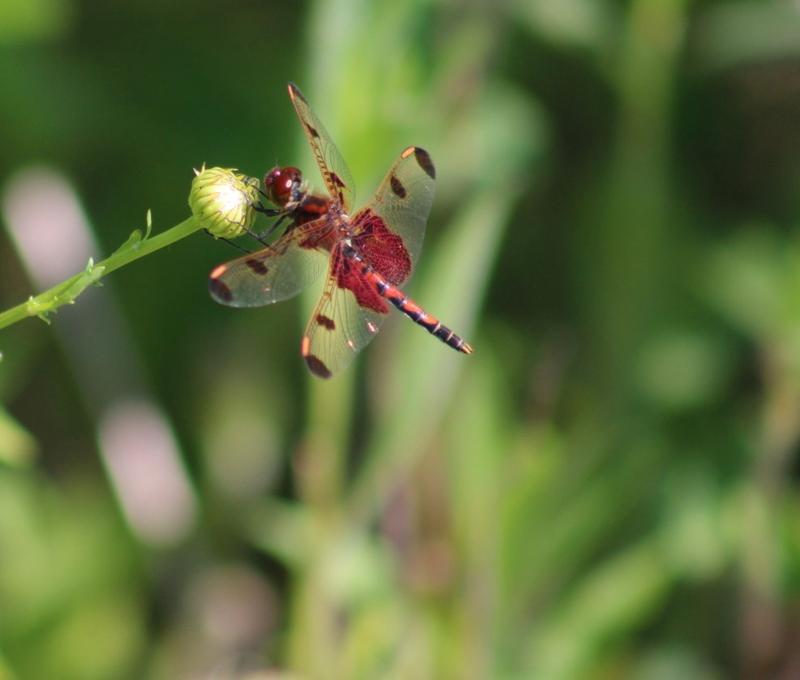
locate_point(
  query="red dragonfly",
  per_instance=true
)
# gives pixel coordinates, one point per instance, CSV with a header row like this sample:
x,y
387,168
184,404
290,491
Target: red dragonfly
x,y
369,253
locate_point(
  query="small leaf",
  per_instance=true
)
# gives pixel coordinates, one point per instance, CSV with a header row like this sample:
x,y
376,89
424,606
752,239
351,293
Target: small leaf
x,y
132,242
94,271
35,308
96,274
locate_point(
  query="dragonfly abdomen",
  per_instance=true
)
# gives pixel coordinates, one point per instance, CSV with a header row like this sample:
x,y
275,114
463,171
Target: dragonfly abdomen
x,y
429,322
410,308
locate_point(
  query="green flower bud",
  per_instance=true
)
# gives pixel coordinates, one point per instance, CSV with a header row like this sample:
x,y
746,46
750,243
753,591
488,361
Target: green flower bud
x,y
222,199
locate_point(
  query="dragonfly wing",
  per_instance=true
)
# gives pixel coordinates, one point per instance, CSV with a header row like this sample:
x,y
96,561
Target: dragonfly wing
x,y
389,230
334,170
275,273
348,315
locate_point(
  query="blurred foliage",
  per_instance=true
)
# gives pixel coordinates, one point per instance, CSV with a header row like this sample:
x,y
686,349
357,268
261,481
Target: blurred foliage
x,y
607,488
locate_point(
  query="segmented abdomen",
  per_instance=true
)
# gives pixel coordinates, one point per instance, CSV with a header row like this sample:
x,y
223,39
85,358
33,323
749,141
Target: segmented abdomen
x,y
410,308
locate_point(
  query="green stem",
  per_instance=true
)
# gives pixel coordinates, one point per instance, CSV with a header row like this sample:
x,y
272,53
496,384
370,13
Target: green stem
x,y
66,291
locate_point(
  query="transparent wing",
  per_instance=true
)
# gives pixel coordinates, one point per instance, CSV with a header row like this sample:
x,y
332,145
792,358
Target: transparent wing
x,y
334,170
348,315
275,273
389,230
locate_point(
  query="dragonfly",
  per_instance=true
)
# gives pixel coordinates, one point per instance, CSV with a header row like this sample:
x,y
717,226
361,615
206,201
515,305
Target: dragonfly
x,y
369,253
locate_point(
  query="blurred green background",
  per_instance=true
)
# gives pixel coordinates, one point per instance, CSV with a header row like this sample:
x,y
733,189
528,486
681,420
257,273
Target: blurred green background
x,y
607,488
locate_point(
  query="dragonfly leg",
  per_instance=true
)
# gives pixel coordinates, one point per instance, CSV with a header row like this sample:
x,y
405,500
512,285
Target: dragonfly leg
x,y
275,225
229,242
256,237
269,212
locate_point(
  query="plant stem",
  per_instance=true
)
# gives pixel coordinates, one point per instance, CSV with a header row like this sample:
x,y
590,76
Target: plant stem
x,y
66,291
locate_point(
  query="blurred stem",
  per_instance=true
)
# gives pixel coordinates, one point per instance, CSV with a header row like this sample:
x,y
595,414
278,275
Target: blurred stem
x,y
763,624
320,476
319,469
625,257
67,291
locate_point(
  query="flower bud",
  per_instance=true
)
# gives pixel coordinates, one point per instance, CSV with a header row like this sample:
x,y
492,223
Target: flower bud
x,y
223,201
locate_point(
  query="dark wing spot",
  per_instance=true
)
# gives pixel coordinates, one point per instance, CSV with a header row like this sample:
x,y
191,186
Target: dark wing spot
x,y
397,187
425,162
257,266
219,290
336,179
312,131
316,366
325,321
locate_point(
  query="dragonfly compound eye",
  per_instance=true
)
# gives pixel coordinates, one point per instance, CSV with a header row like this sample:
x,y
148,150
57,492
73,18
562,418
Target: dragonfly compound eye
x,y
280,184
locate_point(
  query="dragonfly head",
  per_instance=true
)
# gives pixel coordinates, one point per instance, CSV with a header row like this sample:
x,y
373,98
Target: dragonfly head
x,y
284,186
